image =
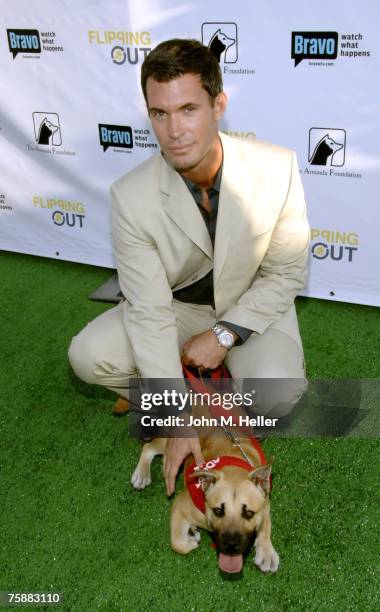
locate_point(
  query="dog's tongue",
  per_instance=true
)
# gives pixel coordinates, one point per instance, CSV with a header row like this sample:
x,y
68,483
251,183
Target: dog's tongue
x,y
230,564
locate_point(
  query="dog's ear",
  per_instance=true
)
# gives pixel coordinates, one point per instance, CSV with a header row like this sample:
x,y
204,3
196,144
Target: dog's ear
x,y
261,475
207,478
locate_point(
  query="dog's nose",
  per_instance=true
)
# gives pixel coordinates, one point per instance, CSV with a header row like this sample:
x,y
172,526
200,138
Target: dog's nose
x,y
231,549
231,543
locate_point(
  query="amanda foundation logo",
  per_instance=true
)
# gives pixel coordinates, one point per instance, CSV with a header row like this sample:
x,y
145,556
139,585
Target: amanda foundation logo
x,y
47,130
327,147
222,40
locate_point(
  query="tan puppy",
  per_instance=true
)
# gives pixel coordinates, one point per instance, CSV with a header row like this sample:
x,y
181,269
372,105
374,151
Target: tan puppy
x,y
236,502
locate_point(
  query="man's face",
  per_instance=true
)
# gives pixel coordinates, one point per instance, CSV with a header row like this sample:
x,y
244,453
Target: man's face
x,y
184,120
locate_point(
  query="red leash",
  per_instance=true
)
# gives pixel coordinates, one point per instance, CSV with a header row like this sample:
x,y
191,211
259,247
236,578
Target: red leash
x,y
194,485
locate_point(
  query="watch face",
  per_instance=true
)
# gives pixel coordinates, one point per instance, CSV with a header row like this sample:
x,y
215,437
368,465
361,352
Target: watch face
x,y
226,339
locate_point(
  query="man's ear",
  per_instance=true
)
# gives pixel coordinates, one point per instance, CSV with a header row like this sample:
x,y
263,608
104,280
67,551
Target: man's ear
x,y
220,104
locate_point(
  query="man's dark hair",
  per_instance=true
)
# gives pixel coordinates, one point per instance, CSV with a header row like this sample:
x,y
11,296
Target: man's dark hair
x,y
178,56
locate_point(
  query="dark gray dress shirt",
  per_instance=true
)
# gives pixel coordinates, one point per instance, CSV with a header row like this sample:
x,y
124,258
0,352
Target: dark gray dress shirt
x,y
202,292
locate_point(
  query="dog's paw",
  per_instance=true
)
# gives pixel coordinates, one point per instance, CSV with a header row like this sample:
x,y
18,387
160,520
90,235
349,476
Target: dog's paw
x,y
267,559
140,479
184,547
194,536
185,544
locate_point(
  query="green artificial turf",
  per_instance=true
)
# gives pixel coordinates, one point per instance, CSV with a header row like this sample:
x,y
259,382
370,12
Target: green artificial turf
x,y
71,521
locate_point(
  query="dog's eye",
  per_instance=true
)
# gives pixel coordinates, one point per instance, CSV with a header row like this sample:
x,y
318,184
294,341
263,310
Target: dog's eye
x,y
247,514
218,511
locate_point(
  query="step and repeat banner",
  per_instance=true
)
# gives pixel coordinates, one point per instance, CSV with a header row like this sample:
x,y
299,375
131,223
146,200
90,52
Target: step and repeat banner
x,y
301,74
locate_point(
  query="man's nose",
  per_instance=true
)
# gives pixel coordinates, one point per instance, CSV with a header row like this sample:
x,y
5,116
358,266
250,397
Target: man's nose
x,y
174,126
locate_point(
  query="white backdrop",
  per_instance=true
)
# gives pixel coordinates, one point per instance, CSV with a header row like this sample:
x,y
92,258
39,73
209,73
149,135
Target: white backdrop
x,y
73,118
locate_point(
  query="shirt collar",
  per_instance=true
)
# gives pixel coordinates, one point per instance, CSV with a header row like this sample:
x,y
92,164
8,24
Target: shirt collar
x,y
193,187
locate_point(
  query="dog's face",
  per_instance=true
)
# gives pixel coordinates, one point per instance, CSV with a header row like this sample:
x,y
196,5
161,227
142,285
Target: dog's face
x,y
235,502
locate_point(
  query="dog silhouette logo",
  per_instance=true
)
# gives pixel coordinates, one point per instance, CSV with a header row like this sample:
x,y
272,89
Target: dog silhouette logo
x,y
47,130
219,44
222,40
327,147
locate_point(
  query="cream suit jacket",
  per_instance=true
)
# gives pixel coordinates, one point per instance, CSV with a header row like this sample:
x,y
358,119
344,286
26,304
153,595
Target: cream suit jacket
x,y
161,244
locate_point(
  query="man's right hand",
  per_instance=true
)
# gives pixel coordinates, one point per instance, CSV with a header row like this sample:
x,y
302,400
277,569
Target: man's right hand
x,y
203,350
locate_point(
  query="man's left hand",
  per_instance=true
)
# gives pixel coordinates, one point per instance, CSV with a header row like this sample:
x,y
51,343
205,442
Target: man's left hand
x,y
176,451
203,351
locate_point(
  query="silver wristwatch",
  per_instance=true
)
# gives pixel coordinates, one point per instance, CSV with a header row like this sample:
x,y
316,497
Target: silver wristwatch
x,y
224,336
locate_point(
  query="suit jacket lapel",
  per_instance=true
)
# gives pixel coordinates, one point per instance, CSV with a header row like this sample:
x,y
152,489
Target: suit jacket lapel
x,y
182,209
231,203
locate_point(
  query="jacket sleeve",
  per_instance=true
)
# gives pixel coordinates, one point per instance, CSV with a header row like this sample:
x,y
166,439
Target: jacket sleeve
x,y
283,270
149,318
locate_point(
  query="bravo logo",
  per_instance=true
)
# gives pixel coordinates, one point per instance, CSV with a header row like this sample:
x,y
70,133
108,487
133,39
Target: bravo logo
x,y
23,41
119,136
314,45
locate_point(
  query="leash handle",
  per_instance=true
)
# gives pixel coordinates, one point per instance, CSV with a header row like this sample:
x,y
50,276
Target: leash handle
x,y
197,383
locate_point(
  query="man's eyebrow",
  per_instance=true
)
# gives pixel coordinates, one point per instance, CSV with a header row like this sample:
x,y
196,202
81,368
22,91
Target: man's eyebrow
x,y
161,110
155,109
188,104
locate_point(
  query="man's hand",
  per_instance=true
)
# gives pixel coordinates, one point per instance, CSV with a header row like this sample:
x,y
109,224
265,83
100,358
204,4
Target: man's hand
x,y
177,449
203,351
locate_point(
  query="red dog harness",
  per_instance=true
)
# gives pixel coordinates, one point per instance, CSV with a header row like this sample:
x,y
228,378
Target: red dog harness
x,y
194,485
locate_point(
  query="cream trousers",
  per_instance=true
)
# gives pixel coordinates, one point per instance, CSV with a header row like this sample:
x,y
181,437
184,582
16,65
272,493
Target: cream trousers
x,y
102,354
